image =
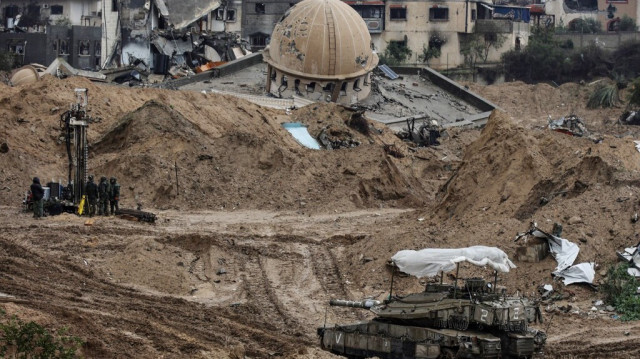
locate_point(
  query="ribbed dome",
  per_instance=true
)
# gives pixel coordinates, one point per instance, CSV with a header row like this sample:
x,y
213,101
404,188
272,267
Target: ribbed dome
x,y
323,39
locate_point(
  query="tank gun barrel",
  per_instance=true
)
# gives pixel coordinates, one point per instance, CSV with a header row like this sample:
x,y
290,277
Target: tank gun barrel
x,y
364,304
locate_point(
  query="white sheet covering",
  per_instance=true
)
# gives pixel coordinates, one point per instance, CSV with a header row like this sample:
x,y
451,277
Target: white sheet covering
x,y
579,273
563,251
431,261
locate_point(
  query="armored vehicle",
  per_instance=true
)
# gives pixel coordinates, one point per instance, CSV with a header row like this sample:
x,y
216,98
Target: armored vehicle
x,y
470,320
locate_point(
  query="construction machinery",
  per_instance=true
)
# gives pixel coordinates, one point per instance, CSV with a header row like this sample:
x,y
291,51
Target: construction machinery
x,y
74,124
473,320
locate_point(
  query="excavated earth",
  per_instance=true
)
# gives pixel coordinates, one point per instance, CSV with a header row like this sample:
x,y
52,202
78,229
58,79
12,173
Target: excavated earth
x,y
256,233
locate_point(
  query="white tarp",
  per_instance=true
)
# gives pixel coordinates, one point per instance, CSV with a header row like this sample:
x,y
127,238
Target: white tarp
x,y
431,261
300,133
579,273
563,251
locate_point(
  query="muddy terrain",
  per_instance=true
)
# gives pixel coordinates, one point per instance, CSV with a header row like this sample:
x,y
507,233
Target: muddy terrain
x,y
256,233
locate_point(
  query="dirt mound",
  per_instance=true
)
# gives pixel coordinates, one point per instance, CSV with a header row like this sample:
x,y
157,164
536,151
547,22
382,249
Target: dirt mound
x,y
513,171
174,149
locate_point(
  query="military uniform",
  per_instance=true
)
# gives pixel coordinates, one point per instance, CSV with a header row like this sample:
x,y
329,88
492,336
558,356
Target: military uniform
x,y
37,194
91,191
114,194
104,192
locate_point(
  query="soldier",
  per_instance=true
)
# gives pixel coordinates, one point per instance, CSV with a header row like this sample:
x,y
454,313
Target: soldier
x,y
37,193
104,192
115,195
91,191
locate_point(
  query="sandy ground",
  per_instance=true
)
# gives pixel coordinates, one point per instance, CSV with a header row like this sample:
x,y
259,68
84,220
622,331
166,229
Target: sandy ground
x,y
261,232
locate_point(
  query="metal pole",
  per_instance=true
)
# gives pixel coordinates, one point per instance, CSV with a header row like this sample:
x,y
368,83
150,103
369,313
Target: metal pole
x,y
495,281
455,284
393,271
177,188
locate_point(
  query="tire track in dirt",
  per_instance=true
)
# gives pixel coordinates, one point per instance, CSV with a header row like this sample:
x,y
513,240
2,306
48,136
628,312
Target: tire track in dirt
x,y
74,295
327,271
261,294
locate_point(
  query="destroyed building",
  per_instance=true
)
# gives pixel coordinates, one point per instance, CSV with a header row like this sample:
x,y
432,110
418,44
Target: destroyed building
x,y
259,18
41,31
160,34
33,16
321,51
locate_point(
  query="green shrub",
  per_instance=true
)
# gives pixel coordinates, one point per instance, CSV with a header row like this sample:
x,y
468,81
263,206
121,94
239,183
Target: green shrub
x,y
396,53
620,290
542,59
589,61
7,61
604,96
627,59
585,26
634,95
627,24
20,339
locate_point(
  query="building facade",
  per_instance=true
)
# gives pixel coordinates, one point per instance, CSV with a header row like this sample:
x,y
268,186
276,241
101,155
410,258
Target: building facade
x,y
259,17
33,16
615,10
78,45
412,23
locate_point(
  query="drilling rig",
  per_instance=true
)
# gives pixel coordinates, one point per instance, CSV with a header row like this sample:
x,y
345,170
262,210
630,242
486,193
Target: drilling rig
x,y
74,124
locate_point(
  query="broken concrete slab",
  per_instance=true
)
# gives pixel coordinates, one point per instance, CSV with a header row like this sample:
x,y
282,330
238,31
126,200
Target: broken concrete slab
x,y
182,13
60,67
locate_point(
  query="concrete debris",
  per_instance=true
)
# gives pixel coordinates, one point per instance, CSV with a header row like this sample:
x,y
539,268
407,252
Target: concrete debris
x,y
571,125
545,291
180,14
631,255
334,139
630,118
61,68
425,135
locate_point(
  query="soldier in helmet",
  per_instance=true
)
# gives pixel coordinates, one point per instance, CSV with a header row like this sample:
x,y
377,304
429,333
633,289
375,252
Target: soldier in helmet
x,y
104,194
37,193
91,191
114,194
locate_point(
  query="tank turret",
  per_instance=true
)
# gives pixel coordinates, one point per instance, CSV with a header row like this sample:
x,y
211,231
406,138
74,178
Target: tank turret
x,y
470,320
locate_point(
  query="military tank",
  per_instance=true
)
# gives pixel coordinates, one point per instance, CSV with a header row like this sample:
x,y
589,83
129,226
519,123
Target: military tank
x,y
470,319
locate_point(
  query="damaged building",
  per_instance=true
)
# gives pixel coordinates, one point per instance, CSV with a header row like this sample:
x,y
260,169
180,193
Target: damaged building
x,y
41,31
259,17
164,34
33,16
321,51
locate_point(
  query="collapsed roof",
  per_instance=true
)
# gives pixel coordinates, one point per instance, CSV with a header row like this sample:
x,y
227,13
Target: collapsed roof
x,y
181,14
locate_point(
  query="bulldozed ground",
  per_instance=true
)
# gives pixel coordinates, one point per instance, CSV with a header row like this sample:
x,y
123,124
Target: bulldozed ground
x,y
256,233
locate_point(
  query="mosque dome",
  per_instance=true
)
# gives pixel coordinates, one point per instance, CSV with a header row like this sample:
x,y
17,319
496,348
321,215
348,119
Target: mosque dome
x,y
321,39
